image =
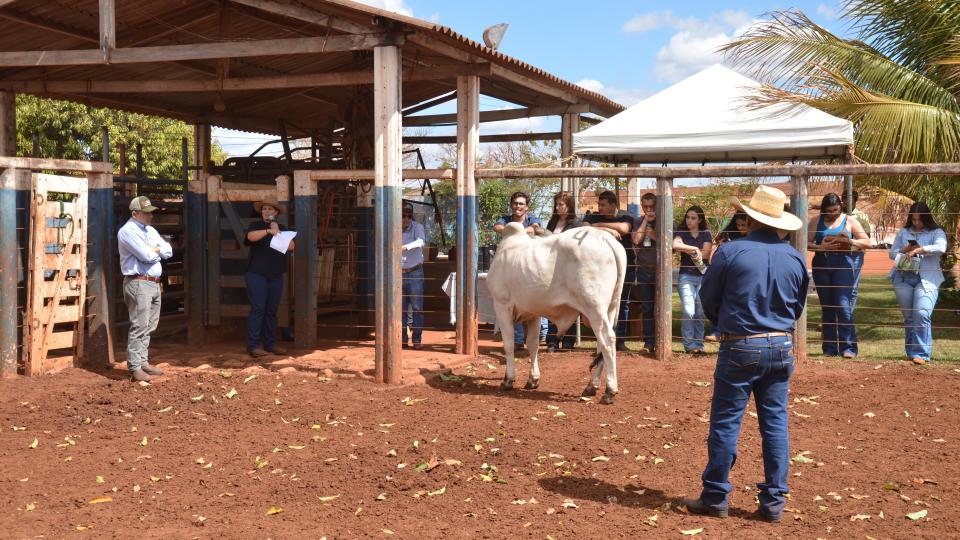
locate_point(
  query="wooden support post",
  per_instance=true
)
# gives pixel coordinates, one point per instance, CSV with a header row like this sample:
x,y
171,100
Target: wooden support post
x,y
11,181
196,240
848,182
468,144
108,30
214,239
388,184
105,133
800,206
283,198
570,124
663,302
305,260
8,124
98,343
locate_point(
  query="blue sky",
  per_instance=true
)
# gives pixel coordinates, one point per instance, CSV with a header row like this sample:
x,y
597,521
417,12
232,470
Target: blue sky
x,y
627,50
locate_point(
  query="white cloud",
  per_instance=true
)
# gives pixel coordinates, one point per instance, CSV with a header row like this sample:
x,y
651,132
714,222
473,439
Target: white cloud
x,y
396,6
693,45
646,22
517,125
828,11
592,85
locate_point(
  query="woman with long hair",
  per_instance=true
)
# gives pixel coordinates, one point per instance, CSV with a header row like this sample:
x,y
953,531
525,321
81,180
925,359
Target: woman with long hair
x,y
736,229
832,237
694,242
917,250
564,218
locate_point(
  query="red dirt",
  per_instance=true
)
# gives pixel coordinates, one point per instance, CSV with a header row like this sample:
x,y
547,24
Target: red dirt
x,y
347,429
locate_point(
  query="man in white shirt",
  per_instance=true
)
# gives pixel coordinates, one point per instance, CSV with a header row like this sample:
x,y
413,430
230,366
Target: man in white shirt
x,y
141,250
411,263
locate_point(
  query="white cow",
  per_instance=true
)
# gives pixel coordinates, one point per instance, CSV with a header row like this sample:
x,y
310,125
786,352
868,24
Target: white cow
x,y
579,271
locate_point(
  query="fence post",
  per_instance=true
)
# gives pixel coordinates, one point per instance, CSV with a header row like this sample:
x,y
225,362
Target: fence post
x,y
195,202
98,345
799,203
11,181
663,303
305,260
468,142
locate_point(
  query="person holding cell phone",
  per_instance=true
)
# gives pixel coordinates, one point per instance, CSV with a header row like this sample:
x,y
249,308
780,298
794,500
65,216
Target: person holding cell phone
x,y
833,237
917,276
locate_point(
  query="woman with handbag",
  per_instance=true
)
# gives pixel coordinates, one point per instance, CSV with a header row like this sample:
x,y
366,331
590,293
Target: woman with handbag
x,y
833,237
916,275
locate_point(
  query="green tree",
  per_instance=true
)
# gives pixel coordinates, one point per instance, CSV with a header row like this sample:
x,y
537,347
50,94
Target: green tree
x,y
897,81
70,130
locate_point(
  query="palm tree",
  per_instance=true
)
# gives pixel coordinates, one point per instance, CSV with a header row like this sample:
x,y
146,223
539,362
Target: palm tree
x,y
898,82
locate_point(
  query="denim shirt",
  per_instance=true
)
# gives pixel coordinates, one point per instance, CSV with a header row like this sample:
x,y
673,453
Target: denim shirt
x,y
933,242
755,285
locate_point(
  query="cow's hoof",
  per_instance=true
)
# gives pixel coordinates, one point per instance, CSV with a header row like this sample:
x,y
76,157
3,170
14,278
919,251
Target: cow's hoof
x,y
506,385
607,398
589,391
532,384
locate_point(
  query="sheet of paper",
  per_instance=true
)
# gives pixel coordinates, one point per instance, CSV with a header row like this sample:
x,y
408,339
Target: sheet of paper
x,y
281,242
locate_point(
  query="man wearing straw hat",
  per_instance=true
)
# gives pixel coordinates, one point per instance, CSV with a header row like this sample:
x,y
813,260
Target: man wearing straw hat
x,y
753,293
141,249
264,278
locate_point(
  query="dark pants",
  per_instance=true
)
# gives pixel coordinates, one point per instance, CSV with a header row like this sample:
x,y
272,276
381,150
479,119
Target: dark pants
x,y
834,276
264,294
566,341
858,257
762,366
412,306
520,333
647,294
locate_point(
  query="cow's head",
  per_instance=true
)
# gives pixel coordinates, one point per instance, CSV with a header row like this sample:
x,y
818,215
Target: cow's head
x,y
512,229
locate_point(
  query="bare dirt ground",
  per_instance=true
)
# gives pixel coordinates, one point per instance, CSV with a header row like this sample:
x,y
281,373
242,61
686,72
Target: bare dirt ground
x,y
241,452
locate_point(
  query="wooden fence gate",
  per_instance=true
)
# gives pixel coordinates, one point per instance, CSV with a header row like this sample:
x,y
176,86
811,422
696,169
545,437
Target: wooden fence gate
x,y
58,273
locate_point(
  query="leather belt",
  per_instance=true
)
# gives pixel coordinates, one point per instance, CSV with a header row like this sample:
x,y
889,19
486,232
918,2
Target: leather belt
x,y
146,278
730,337
412,269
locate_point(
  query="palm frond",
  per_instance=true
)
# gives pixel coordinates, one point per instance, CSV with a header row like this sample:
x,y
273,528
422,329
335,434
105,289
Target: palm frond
x,y
789,48
913,33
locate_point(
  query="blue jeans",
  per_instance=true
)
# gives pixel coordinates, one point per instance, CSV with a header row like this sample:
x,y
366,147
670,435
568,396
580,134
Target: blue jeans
x,y
691,324
762,366
917,299
858,257
566,341
623,320
264,294
413,304
646,298
520,335
833,273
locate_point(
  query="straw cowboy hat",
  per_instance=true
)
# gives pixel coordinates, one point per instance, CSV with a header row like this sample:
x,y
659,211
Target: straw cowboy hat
x,y
766,206
269,202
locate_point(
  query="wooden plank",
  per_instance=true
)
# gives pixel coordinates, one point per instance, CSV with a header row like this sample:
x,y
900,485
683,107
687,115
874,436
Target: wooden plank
x,y
495,116
507,137
201,51
247,194
234,219
59,340
73,261
306,14
235,310
82,202
33,361
799,206
48,288
7,162
57,363
233,282
62,313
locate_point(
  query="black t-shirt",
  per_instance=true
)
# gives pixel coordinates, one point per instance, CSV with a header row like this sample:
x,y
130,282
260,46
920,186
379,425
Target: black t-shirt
x,y
625,240
263,259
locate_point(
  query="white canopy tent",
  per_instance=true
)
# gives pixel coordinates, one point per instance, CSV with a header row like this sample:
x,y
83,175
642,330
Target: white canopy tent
x,y
705,118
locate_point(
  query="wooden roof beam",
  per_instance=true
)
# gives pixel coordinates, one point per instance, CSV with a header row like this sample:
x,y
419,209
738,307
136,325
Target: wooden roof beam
x,y
496,116
108,29
507,137
201,51
305,14
237,84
